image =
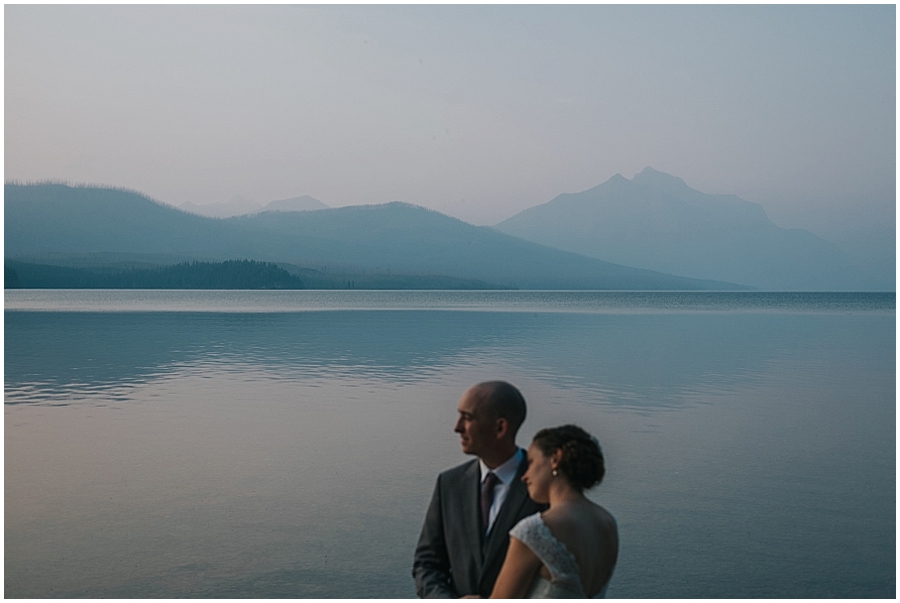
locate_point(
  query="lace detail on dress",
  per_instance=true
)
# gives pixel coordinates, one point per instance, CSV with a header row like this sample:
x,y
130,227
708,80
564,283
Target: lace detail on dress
x,y
559,561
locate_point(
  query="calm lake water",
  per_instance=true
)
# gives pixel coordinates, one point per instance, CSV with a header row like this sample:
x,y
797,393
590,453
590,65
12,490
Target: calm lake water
x,y
285,444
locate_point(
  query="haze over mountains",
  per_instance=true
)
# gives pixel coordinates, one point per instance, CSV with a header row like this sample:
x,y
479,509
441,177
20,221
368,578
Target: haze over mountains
x,y
650,232
393,238
656,221
238,206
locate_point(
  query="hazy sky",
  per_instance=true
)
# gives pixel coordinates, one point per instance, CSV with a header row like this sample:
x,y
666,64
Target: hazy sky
x,y
476,111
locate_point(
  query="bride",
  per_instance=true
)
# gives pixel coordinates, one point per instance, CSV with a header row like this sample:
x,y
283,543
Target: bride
x,y
569,550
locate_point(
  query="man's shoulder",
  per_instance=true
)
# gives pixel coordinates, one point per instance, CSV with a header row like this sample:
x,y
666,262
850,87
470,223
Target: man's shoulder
x,y
457,472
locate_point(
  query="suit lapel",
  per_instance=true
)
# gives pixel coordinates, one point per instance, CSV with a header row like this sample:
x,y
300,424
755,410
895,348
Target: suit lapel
x,y
472,509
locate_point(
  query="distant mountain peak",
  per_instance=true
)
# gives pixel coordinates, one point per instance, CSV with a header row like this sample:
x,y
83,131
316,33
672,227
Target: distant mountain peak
x,y
655,221
235,206
651,177
650,171
616,182
302,203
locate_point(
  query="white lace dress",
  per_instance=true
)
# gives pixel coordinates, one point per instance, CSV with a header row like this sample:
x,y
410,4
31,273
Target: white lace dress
x,y
565,581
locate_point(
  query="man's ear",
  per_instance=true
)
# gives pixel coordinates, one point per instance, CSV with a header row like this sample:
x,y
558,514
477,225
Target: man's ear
x,y
502,428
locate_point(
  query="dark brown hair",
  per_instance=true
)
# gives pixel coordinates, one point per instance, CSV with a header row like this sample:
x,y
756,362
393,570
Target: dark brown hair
x,y
582,460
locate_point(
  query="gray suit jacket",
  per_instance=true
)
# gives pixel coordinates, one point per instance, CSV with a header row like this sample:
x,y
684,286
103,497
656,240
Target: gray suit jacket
x,y
453,557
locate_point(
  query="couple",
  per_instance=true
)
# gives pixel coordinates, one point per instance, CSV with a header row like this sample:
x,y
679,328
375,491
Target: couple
x,y
561,546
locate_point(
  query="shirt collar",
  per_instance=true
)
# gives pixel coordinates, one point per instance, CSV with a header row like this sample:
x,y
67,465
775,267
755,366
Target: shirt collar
x,y
506,471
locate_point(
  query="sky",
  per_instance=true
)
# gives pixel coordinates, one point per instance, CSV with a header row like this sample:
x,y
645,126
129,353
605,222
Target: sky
x,y
478,112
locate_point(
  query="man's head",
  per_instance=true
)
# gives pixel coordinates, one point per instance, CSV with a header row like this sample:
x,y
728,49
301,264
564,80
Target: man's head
x,y
490,414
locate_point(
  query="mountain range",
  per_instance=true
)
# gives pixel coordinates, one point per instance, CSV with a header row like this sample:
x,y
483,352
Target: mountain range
x,y
657,222
650,232
54,220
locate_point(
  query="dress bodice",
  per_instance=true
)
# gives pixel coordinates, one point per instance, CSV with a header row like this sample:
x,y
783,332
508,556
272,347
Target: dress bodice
x,y
565,580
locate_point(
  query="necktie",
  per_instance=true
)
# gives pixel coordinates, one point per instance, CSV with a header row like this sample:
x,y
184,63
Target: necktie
x,y
487,499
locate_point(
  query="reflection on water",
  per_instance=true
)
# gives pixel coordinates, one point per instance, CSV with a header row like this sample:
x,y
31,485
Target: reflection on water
x,y
292,454
656,360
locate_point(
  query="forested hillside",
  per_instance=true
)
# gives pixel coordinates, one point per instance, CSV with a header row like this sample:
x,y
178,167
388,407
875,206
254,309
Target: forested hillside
x,y
232,274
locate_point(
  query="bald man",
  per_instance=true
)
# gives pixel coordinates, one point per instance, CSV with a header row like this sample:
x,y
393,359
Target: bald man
x,y
466,532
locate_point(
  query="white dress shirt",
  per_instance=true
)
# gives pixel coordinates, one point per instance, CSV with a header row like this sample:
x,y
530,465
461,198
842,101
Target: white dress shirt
x,y
506,473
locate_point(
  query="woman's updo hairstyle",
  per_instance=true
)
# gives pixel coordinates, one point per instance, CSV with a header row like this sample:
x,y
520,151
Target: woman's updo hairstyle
x,y
581,462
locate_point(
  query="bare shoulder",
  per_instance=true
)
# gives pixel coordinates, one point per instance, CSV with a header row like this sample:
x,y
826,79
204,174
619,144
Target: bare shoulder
x,y
558,518
582,527
567,520
564,517
603,516
604,525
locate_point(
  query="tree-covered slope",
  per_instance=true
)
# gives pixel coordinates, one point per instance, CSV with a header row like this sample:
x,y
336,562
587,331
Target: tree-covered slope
x,y
230,274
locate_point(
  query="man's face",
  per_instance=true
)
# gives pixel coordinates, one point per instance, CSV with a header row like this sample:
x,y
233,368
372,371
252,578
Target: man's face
x,y
477,431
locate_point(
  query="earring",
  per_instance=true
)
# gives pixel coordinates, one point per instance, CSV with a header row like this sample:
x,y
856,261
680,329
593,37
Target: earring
x,y
554,473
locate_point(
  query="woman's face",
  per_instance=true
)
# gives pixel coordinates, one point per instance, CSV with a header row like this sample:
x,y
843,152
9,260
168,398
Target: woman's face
x,y
538,475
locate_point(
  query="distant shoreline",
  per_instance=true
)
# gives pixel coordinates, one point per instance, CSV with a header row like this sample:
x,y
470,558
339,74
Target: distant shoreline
x,y
246,275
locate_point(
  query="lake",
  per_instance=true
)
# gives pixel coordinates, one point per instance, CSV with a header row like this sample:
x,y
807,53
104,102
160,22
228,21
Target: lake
x,y
285,444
